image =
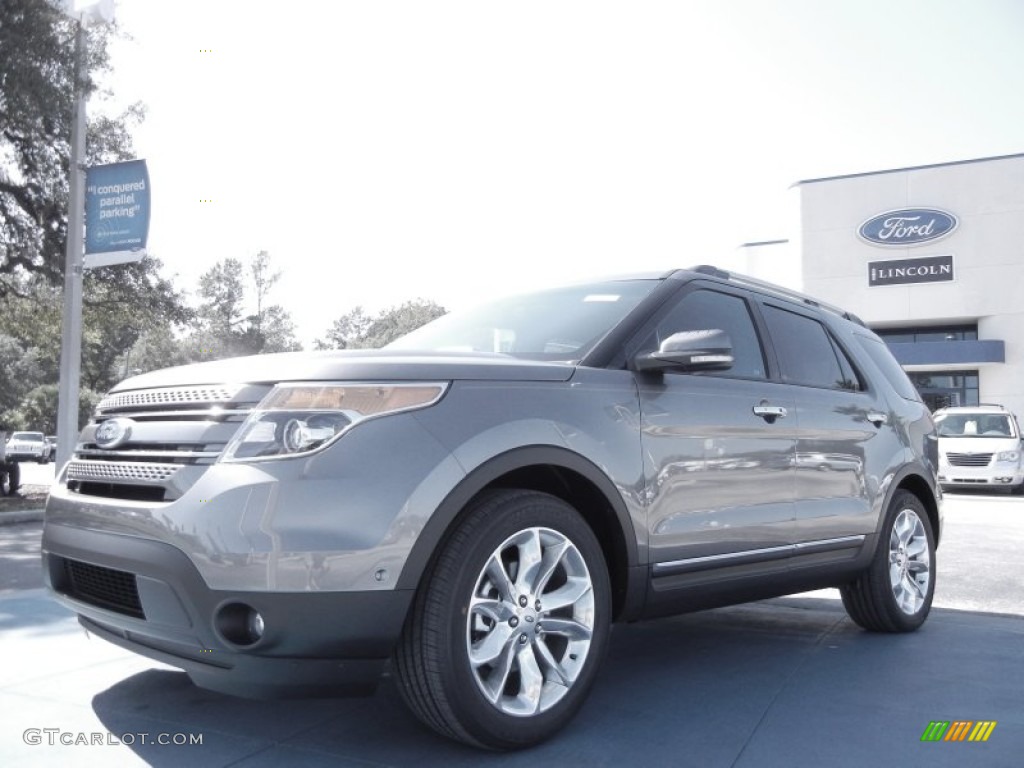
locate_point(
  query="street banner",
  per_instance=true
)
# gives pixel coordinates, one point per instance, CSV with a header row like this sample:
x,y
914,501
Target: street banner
x,y
116,213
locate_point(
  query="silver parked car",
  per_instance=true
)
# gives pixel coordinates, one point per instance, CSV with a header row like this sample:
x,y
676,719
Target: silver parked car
x,y
477,503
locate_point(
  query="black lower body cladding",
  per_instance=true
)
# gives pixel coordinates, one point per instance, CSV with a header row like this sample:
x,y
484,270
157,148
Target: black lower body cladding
x,y
147,597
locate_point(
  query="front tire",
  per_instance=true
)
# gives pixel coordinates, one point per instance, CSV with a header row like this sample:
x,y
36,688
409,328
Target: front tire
x,y
895,593
506,634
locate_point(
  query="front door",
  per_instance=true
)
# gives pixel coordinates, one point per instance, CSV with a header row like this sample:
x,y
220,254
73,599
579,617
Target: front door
x,y
720,477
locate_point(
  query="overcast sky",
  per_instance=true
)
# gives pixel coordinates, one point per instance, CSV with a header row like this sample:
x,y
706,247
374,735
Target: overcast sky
x,y
382,151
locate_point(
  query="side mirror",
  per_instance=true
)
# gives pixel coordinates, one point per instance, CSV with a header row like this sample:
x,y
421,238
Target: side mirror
x,y
709,350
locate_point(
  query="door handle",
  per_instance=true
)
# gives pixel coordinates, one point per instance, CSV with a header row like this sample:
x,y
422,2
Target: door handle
x,y
877,418
770,412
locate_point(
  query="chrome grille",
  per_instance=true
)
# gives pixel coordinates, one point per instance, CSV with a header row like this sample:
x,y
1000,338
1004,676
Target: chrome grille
x,y
172,435
119,472
165,396
969,459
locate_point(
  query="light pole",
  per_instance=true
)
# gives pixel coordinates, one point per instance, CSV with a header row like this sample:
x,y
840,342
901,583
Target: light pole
x,y
87,14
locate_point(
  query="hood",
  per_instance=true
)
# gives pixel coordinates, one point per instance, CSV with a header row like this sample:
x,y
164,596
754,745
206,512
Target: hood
x,y
353,365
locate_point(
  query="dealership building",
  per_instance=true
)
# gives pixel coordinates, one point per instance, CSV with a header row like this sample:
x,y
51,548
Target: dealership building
x,y
931,258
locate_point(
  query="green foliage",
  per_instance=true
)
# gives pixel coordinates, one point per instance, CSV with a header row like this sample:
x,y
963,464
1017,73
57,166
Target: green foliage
x,y
116,315
37,89
130,313
36,98
357,330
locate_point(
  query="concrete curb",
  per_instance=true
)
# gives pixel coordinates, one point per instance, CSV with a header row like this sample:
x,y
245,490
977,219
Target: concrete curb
x,y
21,516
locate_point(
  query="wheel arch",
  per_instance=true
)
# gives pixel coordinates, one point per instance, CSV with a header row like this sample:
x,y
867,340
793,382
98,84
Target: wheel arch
x,y
563,474
913,479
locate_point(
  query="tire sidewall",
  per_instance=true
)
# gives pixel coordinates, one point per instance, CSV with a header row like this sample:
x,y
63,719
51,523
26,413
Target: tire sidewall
x,y
479,716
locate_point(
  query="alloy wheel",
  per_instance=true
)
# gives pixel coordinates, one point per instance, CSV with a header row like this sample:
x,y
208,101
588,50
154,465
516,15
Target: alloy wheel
x,y
530,621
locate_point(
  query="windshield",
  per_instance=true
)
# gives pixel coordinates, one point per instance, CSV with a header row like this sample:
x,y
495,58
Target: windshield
x,y
27,436
974,425
559,324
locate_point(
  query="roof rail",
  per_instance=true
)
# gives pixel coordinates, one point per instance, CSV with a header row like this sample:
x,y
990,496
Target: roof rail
x,y
778,290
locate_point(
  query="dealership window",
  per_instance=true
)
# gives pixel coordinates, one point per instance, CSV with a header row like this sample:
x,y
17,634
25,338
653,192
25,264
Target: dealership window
x,y
941,389
929,333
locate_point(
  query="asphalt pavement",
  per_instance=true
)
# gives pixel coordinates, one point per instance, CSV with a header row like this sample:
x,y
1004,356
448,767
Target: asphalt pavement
x,y
786,682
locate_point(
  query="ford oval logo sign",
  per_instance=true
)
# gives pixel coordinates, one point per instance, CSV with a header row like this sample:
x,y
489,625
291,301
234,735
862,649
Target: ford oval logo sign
x,y
907,226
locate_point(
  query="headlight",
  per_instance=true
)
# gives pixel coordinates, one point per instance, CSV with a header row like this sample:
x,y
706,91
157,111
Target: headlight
x,y
1008,456
297,419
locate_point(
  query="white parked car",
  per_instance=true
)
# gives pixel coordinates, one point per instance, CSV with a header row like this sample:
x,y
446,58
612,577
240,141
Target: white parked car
x,y
980,446
28,446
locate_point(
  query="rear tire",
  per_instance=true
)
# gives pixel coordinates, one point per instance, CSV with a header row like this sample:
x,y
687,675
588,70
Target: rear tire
x,y
895,593
510,626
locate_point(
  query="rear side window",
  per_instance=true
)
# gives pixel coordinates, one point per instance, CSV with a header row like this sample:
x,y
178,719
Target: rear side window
x,y
807,353
882,357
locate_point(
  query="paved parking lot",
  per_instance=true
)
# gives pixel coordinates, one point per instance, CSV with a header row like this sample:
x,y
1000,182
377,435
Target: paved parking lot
x,y
788,682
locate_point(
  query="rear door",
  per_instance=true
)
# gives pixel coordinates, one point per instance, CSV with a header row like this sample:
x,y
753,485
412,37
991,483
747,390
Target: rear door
x,y
839,422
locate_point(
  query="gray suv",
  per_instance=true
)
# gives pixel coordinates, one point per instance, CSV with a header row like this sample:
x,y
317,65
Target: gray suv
x,y
477,503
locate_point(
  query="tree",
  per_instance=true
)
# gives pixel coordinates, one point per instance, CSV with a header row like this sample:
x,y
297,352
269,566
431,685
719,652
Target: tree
x,y
20,370
118,314
36,96
157,347
263,280
38,410
124,302
270,328
37,76
357,330
224,329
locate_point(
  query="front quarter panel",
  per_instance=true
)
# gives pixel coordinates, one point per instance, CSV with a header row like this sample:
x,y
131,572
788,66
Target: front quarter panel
x,y
590,425
343,519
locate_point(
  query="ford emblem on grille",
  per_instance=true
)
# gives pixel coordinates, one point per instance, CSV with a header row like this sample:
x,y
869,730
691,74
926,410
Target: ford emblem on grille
x,y
113,432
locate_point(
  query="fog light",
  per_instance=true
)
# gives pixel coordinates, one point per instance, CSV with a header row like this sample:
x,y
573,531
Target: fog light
x,y
239,624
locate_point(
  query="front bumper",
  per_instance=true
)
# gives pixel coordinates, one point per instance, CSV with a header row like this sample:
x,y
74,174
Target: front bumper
x,y
21,455
995,475
148,597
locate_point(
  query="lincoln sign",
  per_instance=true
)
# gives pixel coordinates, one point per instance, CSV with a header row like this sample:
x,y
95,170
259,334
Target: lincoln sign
x,y
929,269
909,226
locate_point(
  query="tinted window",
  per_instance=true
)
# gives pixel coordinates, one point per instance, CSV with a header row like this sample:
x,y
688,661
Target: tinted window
x,y
851,380
882,357
806,352
708,310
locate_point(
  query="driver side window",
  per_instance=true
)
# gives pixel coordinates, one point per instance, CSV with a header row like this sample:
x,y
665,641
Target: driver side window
x,y
705,309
